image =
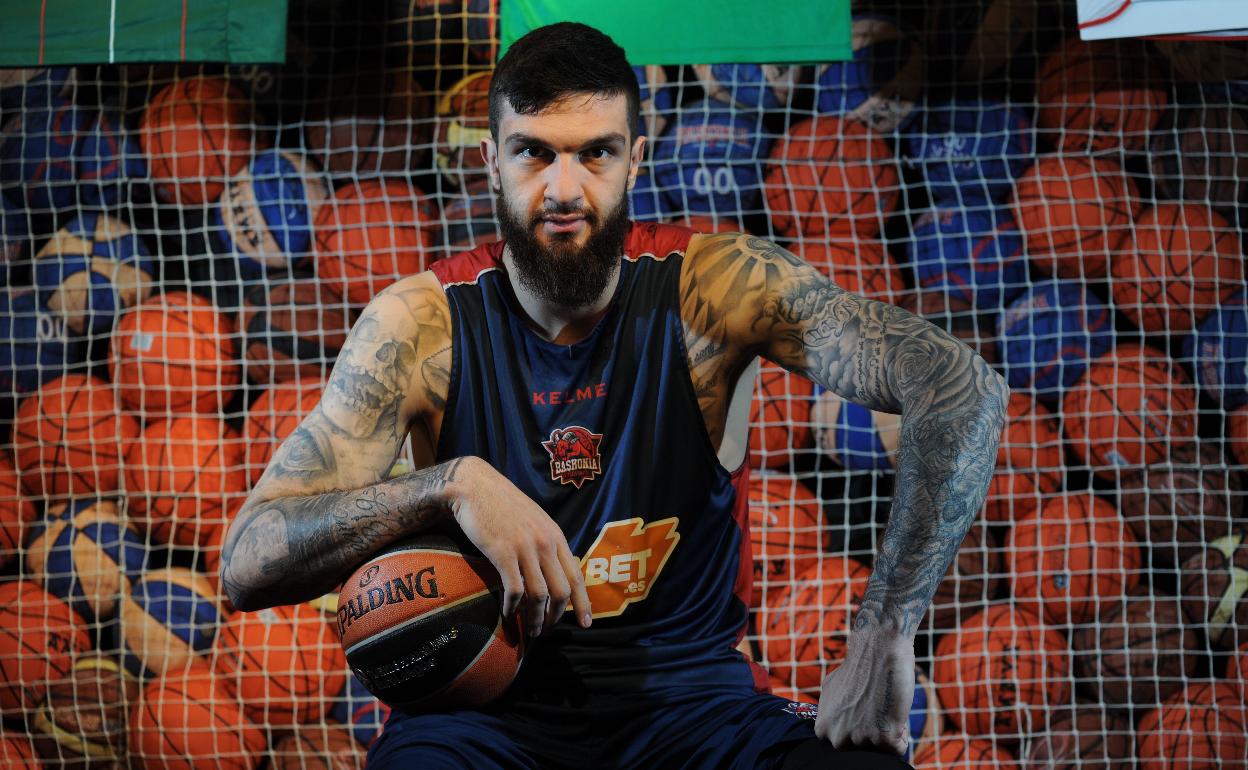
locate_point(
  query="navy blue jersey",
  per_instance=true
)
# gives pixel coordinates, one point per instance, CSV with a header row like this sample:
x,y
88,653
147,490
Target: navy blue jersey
x,y
607,437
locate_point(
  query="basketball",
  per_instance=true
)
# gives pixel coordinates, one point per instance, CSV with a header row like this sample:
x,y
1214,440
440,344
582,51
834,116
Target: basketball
x,y
1132,407
196,133
974,255
806,623
1215,592
396,612
470,215
17,513
369,123
169,619
1180,506
69,437
187,721
854,436
1187,259
179,474
283,663
174,353
1050,334
463,120
264,216
1000,672
1204,158
658,99
1218,351
970,152
958,752
82,720
14,231
1074,211
1070,558
861,267
977,42
293,329
709,159
1189,731
1099,95
18,751
957,316
830,173
780,427
37,153
1030,454
1138,652
108,160
359,710
317,747
972,580
881,83
91,270
39,638
34,344
274,416
786,530
370,234
1083,737
1237,435
86,555
749,87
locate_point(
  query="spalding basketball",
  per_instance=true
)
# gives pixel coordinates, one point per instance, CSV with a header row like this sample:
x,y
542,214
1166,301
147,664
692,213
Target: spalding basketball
x,y
422,626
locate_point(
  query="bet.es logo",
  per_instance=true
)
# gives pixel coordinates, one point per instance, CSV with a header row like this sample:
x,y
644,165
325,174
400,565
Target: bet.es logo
x,y
624,562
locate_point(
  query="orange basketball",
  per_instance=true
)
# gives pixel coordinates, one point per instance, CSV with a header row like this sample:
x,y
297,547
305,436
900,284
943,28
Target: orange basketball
x,y
1203,158
463,120
322,746
179,474
806,624
174,353
187,721
780,417
830,173
1132,407
1099,95
274,416
17,512
971,581
1204,726
283,663
17,752
1187,259
1015,494
1000,671
1029,459
1074,211
293,328
39,637
1237,434
365,123
370,234
70,435
958,752
196,133
786,528
1071,557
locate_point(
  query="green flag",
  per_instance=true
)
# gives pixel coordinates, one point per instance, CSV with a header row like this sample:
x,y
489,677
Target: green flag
x,y
698,31
49,32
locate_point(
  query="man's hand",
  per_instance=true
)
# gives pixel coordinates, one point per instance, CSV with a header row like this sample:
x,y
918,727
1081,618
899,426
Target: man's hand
x,y
865,703
524,544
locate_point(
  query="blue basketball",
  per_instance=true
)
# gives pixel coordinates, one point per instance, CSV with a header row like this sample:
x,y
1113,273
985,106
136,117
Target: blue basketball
x,y
37,152
14,233
171,617
109,158
360,711
708,160
645,202
34,344
971,152
1050,333
264,216
87,556
975,255
1218,352
752,86
881,83
91,270
858,443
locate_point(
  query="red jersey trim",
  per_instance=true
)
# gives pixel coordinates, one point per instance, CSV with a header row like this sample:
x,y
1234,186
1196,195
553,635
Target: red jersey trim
x,y
467,267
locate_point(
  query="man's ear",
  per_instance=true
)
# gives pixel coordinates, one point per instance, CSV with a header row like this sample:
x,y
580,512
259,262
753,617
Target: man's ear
x,y
634,160
489,154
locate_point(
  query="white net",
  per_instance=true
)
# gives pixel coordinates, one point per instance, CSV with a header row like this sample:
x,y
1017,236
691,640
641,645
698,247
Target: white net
x,y
186,247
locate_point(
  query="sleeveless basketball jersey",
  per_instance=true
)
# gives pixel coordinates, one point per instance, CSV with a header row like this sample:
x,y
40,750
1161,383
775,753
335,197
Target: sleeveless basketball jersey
x,y
606,436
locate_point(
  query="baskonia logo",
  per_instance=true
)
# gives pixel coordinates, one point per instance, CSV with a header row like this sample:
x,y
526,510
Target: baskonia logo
x,y
574,455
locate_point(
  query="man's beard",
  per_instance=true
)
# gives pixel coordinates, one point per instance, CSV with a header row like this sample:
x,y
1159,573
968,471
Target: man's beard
x,y
563,274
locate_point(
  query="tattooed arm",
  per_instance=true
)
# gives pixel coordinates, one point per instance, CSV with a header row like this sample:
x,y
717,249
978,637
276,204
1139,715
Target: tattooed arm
x,y
324,504
751,294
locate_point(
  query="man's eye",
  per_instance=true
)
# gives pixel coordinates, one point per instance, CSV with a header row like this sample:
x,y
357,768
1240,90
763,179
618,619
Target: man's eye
x,y
532,153
597,153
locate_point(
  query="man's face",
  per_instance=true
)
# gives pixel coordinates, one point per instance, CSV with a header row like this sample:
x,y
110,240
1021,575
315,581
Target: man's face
x,y
563,177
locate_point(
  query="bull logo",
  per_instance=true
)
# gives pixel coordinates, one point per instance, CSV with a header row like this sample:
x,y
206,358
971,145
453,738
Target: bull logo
x,y
574,455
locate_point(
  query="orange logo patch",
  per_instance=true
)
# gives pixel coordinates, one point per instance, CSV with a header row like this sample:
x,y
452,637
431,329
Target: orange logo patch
x,y
623,563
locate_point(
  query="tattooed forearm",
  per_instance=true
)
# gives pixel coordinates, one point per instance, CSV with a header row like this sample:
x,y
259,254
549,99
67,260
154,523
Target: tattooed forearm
x,y
296,548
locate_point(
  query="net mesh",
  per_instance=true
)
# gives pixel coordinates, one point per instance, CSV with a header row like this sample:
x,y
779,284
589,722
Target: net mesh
x,y
186,247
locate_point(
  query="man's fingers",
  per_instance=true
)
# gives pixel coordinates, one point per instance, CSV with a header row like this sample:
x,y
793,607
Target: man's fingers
x,y
536,594
557,583
576,582
513,587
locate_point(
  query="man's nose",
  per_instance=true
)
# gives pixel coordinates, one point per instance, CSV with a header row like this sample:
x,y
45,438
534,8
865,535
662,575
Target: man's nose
x,y
564,184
